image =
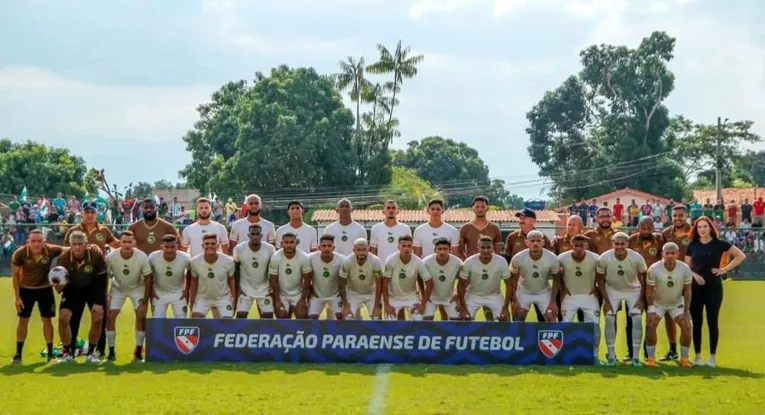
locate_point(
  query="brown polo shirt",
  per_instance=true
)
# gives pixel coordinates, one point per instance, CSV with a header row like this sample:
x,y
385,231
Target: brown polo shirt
x,y
149,238
34,268
680,237
470,234
600,240
562,243
99,236
86,271
649,249
516,242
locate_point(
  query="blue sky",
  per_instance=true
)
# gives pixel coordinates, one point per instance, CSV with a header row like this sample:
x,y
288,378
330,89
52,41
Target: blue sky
x,y
118,82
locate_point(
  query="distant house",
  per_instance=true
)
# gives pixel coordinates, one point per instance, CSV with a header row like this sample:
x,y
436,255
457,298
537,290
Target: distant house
x,y
186,197
626,196
730,193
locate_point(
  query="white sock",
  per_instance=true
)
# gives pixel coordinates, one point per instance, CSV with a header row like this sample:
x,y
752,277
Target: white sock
x,y
611,335
111,336
651,351
139,337
637,335
685,351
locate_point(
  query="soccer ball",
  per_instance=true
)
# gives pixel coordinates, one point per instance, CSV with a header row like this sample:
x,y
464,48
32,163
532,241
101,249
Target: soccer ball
x,y
58,275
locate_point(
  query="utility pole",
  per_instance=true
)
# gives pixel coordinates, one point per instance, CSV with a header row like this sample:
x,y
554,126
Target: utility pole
x,y
718,161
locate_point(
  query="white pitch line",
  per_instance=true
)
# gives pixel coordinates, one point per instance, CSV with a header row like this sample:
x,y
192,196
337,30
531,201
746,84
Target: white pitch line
x,y
380,392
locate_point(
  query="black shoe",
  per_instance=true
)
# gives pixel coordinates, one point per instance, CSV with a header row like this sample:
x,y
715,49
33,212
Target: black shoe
x,y
670,357
111,358
627,359
16,359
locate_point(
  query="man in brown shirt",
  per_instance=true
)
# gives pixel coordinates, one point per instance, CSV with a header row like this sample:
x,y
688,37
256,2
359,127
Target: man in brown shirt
x,y
562,243
677,233
600,237
150,230
30,265
97,234
472,231
87,284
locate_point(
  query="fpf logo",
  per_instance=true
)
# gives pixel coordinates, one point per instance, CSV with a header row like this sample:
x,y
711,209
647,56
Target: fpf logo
x,y
550,342
186,338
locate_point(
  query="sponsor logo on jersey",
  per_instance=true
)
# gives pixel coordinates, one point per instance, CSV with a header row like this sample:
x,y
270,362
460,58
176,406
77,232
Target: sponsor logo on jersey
x,y
186,338
550,342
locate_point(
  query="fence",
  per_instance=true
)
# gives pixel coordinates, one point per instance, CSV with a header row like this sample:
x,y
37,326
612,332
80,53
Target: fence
x,y
749,240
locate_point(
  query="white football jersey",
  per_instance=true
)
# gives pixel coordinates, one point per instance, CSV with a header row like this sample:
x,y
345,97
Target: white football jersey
x,y
426,235
361,278
253,268
127,274
443,276
290,271
325,275
212,278
241,228
169,276
385,238
485,279
403,277
534,273
622,275
308,238
579,276
192,236
345,236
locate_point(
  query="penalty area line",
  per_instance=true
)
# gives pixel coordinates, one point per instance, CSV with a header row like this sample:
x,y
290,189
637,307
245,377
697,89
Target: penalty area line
x,y
380,392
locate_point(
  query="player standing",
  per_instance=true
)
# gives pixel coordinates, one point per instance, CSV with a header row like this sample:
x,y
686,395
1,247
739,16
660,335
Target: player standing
x,y
383,239
623,271
444,269
212,280
530,270
252,258
131,277
290,277
345,229
600,237
240,230
325,270
150,231
29,266
679,234
426,234
170,285
668,291
87,285
204,225
307,237
399,284
480,280
471,232
360,282
564,243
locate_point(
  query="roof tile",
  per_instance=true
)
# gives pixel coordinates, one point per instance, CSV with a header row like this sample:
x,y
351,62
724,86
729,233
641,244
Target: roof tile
x,y
421,216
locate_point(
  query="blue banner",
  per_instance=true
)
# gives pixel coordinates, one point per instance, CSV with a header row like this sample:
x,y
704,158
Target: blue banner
x,y
322,341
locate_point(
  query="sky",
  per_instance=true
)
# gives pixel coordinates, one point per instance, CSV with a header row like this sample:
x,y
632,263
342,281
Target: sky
x,y
118,82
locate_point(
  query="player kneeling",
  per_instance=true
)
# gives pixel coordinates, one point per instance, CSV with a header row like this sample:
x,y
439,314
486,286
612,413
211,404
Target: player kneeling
x,y
252,258
171,284
444,269
480,280
212,280
360,282
325,270
668,291
531,269
399,291
290,275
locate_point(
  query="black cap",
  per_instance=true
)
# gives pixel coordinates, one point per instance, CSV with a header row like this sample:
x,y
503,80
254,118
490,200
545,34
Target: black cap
x,y
527,213
90,206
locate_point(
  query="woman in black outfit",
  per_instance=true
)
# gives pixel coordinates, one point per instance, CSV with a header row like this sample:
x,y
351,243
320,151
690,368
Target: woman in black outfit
x,y
706,254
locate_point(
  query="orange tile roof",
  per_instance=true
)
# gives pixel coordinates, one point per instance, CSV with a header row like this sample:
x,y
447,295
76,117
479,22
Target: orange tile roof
x,y
730,193
420,216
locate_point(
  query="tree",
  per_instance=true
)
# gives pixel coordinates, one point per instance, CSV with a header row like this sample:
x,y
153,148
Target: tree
x,y
41,169
400,63
145,189
352,75
162,185
603,129
409,190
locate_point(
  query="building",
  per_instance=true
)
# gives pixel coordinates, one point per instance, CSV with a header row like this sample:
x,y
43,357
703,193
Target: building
x,y
186,197
626,196
730,193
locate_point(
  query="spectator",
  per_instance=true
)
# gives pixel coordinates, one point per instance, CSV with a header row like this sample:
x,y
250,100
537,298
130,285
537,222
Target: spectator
x,y
163,209
668,209
695,210
658,211
647,209
732,212
634,214
745,224
759,209
619,210
709,209
593,211
757,223
746,211
231,210
175,209
127,209
183,217
60,204
43,204
73,207
718,210
14,205
657,225
217,209
583,210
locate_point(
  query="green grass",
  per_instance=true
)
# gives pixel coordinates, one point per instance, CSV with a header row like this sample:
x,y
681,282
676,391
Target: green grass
x,y
736,386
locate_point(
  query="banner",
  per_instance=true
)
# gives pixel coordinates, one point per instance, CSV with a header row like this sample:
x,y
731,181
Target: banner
x,y
354,341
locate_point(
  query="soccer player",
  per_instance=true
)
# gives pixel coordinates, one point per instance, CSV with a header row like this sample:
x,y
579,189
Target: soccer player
x,y
623,271
399,284
345,229
307,237
530,269
564,243
240,230
212,280
29,266
325,270
290,277
361,282
252,258
170,285
600,237
193,234
444,269
668,291
151,230
426,234
679,234
471,232
578,289
87,285
383,239
131,277
479,283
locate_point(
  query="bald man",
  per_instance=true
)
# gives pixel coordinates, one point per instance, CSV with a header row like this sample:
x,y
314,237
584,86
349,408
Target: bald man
x,y
564,243
530,271
345,230
668,291
240,230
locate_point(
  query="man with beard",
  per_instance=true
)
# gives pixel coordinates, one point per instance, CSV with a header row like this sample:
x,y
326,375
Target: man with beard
x,y
400,275
360,282
290,276
600,237
150,231
212,280
170,288
325,268
345,229
678,234
383,240
480,283
444,269
241,228
530,271
648,244
193,234
252,258
564,243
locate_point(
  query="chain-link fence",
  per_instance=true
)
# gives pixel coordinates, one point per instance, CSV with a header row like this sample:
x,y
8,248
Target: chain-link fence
x,y
749,240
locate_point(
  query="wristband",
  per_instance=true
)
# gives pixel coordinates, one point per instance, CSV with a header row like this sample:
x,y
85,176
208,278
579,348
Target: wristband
x,y
651,309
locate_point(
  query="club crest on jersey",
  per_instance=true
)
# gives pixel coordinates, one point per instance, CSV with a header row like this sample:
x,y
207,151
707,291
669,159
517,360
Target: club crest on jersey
x,y
255,264
550,342
88,268
150,239
578,273
44,260
620,273
186,338
168,273
99,237
442,278
402,275
325,273
211,274
344,238
652,251
535,275
686,241
362,277
126,271
484,276
390,239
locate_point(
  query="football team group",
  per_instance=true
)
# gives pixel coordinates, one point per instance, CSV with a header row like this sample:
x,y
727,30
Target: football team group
x,y
392,273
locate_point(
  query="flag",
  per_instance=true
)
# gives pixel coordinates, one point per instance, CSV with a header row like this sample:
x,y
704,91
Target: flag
x,y
24,194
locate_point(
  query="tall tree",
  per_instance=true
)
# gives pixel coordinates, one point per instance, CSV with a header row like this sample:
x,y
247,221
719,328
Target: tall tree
x,y
163,184
41,169
603,129
409,190
401,63
145,189
352,76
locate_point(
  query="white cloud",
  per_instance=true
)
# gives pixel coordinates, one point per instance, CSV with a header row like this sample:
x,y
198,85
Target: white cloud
x,y
422,7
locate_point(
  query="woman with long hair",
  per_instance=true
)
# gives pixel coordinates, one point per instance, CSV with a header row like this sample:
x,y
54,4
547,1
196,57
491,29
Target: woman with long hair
x,y
710,259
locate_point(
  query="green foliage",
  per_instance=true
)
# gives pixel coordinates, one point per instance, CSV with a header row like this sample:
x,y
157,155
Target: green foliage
x,y
42,169
410,190
145,189
162,185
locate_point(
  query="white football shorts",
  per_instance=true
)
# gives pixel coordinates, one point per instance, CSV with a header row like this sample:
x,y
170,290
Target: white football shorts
x,y
118,298
630,297
244,304
451,308
173,300
494,302
588,303
223,305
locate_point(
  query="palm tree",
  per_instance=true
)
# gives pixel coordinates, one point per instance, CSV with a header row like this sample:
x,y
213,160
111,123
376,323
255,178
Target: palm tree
x,y
381,103
400,64
352,75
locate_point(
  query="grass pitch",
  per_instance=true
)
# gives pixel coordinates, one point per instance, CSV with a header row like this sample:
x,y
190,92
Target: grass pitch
x,y
736,386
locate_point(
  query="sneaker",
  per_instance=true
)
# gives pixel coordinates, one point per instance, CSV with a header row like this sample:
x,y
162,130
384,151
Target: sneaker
x,y
612,361
685,362
93,358
636,362
670,357
712,362
626,359
111,358
66,358
650,362
16,359
698,361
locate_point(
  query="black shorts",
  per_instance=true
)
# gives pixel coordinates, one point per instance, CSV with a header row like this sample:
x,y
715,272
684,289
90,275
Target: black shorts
x,y
44,298
75,298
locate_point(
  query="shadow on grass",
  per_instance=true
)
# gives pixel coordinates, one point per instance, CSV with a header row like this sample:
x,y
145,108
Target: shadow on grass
x,y
416,370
